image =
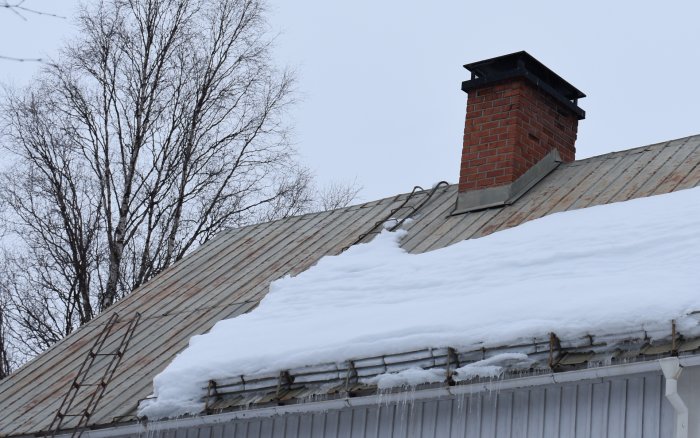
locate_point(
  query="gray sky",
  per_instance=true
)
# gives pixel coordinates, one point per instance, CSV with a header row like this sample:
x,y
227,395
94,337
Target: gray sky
x,y
380,80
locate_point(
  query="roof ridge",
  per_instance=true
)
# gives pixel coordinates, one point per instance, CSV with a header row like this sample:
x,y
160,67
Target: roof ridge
x,y
633,150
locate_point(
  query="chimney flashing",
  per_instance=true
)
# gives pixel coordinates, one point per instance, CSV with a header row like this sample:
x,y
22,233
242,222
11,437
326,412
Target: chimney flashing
x,y
523,65
499,196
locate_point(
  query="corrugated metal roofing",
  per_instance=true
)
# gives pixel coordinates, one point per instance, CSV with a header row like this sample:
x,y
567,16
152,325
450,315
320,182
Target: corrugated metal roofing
x,y
229,275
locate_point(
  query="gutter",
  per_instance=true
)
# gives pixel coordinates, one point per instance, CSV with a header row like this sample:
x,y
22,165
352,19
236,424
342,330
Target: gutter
x,y
667,364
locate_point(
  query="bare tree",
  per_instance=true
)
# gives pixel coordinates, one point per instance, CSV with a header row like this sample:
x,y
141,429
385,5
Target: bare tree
x,y
336,195
159,127
5,355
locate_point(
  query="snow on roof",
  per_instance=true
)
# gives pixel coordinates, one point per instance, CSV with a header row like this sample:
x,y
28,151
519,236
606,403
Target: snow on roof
x,y
604,269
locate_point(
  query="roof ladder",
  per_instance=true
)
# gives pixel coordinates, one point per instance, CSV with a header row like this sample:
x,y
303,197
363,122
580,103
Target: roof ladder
x,y
410,210
99,349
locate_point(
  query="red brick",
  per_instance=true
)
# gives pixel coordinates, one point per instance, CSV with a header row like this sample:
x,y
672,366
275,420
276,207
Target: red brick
x,y
510,127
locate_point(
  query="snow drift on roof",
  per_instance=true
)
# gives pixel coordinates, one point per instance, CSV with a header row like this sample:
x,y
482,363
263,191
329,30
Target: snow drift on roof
x,y
604,269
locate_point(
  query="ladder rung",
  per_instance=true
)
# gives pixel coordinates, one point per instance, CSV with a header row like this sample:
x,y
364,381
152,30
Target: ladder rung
x,y
82,374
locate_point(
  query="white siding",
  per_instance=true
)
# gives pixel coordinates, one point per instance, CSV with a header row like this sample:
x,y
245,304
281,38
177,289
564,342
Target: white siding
x,y
632,406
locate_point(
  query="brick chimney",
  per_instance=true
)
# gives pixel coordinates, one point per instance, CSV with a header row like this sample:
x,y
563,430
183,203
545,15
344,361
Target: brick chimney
x,y
521,123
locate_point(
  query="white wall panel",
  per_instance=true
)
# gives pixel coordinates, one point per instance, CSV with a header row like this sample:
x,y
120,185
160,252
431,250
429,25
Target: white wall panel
x,y
611,408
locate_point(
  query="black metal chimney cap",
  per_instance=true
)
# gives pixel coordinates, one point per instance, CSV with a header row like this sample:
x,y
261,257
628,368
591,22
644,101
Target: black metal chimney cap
x,y
522,64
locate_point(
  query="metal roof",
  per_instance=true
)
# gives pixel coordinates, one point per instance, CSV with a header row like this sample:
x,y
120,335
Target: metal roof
x,y
229,275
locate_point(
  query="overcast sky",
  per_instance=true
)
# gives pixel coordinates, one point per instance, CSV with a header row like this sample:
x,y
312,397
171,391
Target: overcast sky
x,y
380,80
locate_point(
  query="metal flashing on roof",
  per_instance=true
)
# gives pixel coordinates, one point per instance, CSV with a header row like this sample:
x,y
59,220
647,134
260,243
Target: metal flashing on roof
x,y
490,197
523,65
